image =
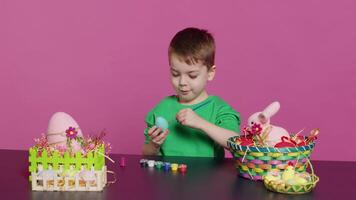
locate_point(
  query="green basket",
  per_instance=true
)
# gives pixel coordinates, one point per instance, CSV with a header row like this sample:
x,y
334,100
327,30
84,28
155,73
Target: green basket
x,y
94,159
254,162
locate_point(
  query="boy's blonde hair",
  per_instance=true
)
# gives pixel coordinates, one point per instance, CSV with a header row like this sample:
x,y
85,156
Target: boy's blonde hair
x,y
193,45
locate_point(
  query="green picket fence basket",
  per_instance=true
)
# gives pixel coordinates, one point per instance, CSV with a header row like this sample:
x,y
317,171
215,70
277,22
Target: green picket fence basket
x,y
254,162
52,171
94,159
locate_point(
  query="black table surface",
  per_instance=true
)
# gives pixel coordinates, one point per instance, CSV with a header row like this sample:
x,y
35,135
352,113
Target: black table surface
x,y
206,178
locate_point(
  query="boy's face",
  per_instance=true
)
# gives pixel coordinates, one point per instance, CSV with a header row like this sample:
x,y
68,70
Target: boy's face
x,y
189,81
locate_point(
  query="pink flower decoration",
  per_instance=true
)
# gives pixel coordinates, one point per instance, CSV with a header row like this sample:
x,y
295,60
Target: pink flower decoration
x,y
256,129
71,133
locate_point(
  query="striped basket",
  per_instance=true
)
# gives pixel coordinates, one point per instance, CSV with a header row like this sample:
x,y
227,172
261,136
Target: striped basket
x,y
254,162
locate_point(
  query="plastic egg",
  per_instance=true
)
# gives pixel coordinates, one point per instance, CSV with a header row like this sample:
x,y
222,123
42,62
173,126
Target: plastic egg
x,y
300,181
273,175
161,123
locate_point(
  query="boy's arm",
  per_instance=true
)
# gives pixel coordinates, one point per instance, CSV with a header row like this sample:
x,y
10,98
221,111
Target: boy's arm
x,y
155,139
220,135
150,149
154,136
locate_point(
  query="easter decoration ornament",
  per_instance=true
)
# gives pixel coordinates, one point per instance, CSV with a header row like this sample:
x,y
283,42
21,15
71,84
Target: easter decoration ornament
x,y
271,134
64,160
268,152
64,133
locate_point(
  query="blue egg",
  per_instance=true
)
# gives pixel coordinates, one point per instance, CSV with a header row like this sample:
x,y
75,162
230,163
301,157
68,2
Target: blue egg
x,y
162,123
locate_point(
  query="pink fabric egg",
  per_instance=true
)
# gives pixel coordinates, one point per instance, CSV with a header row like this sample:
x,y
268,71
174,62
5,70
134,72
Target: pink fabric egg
x,y
56,132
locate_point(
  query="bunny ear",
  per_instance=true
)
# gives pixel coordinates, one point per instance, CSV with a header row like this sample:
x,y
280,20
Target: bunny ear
x,y
262,118
271,109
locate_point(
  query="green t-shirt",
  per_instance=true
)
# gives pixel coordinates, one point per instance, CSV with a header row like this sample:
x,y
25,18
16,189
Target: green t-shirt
x,y
185,141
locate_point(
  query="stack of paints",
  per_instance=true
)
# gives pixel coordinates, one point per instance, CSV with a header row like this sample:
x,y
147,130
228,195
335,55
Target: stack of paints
x,y
166,166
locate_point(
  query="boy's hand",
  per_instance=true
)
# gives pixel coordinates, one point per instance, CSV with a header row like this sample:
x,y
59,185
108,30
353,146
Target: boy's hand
x,y
188,117
157,136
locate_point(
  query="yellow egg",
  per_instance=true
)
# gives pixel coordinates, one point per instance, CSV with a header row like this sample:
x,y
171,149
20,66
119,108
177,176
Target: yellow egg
x,y
300,180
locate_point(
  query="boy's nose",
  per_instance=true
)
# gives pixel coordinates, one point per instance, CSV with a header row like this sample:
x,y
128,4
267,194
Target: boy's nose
x,y
182,80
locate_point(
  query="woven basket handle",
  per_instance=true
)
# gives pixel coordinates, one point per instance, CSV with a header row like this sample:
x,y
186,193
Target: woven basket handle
x,y
312,170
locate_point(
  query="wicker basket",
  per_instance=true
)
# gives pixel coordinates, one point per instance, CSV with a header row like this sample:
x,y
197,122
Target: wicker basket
x,y
254,162
276,186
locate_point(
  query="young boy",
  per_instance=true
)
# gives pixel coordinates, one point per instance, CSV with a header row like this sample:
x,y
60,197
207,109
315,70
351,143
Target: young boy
x,y
199,124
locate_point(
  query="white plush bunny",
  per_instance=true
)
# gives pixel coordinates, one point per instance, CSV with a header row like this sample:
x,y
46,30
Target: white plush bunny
x,y
274,133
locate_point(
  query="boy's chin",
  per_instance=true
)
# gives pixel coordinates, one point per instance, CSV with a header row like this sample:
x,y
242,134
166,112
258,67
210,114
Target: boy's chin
x,y
186,99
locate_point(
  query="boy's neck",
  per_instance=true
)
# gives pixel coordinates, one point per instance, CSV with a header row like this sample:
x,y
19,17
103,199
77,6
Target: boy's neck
x,y
204,95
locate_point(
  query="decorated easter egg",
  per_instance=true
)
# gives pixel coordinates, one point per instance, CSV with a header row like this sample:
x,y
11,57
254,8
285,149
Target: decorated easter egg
x,y
61,127
273,175
161,123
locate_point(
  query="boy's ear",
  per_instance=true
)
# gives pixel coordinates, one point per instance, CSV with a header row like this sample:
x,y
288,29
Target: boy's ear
x,y
211,73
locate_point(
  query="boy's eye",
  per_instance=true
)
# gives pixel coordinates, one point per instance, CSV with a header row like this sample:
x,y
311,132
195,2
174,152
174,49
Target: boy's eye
x,y
193,75
174,74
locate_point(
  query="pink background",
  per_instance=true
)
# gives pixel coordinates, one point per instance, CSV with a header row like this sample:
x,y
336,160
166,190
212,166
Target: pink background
x,y
105,63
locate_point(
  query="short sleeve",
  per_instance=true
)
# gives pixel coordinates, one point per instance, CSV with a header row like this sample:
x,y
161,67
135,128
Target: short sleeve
x,y
228,118
149,120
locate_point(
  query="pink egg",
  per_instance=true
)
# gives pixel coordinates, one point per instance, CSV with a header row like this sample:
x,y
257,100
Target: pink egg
x,y
59,123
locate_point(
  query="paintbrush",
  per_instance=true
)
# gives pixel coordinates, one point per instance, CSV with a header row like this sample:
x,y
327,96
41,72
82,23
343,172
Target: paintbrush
x,y
163,123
